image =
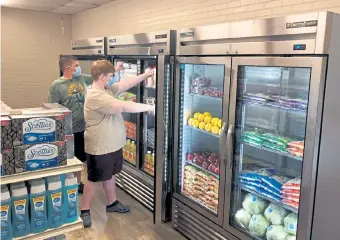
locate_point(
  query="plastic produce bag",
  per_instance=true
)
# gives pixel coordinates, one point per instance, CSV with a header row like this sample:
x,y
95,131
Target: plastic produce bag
x,y
291,237
258,225
290,223
254,204
243,217
275,214
276,232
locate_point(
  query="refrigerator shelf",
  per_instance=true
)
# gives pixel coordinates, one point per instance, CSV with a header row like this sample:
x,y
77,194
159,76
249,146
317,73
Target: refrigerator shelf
x,y
241,103
205,96
203,131
273,151
203,169
294,210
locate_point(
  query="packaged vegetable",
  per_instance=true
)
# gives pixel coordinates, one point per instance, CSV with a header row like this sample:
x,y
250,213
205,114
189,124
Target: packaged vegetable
x,y
293,184
254,204
258,225
290,223
291,237
275,182
275,214
276,232
243,217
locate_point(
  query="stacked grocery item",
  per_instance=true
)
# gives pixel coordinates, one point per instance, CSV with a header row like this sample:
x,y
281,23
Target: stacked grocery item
x,y
149,163
206,160
126,96
152,81
202,86
206,122
150,101
151,138
129,151
274,142
130,130
277,101
129,70
36,138
291,192
201,187
266,220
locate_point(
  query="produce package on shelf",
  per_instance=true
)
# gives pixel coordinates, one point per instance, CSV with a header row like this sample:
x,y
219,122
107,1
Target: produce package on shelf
x,y
202,86
275,214
276,232
290,223
130,129
206,122
296,148
254,204
126,96
291,192
258,225
206,160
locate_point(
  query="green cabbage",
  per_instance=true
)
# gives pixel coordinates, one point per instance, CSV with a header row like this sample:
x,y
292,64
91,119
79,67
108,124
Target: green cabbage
x,y
258,225
243,217
291,237
275,214
291,223
276,232
254,204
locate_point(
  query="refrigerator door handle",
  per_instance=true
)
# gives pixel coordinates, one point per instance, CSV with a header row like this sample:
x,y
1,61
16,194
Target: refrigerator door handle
x,y
222,140
230,145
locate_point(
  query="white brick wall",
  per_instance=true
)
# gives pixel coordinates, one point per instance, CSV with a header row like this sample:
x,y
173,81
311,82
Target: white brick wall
x,y
31,43
131,16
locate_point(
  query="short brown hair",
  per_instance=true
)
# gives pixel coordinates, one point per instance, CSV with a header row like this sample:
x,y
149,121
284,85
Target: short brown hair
x,y
66,61
101,67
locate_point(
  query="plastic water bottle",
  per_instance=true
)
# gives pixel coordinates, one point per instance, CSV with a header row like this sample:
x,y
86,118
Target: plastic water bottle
x,y
20,217
38,203
55,203
70,199
5,220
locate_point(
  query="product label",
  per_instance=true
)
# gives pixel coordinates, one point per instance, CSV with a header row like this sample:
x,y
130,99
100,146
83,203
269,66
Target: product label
x,y
4,212
39,203
20,222
39,213
20,206
41,156
4,221
57,216
38,130
72,209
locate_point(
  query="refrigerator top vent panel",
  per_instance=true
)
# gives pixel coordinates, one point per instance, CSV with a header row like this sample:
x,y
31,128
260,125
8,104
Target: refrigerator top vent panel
x,y
296,34
89,46
141,44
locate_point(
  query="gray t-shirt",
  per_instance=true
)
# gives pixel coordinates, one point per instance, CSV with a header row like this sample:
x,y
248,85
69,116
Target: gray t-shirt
x,y
71,94
105,132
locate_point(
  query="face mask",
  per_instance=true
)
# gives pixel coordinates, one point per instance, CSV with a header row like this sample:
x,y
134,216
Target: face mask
x,y
77,72
112,80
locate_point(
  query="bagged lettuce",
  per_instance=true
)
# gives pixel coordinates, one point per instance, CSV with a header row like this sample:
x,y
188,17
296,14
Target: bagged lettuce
x,y
276,232
243,217
290,223
275,214
291,237
254,204
258,225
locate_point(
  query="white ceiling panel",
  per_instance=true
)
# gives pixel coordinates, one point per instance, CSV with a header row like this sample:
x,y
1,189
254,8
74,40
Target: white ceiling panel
x,y
80,5
34,8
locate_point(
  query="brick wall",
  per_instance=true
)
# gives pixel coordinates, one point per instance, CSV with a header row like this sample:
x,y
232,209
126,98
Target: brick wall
x,y
132,16
31,43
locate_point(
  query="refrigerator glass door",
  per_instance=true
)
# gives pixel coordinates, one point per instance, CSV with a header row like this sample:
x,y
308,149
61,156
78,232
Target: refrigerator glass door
x,y
203,93
271,138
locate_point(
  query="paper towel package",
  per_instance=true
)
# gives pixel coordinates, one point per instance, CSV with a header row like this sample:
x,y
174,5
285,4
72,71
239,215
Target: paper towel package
x,y
57,108
6,133
8,163
38,128
40,156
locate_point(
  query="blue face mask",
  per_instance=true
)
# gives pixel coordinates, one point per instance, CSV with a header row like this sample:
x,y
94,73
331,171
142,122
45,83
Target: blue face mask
x,y
112,80
77,72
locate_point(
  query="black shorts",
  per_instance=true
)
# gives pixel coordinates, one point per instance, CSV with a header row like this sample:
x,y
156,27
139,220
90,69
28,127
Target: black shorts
x,y
101,168
79,146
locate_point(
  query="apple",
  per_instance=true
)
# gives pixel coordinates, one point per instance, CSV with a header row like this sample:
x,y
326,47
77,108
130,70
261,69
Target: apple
x,y
214,154
198,161
205,158
212,159
218,160
190,157
197,154
212,168
205,164
217,171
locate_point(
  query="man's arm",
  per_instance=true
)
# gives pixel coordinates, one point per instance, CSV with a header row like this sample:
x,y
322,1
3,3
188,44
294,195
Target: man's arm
x,y
54,95
133,81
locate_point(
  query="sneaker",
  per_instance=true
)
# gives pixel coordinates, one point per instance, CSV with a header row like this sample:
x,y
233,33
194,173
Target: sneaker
x,y
119,208
86,217
81,188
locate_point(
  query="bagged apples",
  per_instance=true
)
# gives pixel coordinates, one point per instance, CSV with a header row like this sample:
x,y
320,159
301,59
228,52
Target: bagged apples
x,y
276,232
258,225
291,237
243,217
254,204
275,214
290,223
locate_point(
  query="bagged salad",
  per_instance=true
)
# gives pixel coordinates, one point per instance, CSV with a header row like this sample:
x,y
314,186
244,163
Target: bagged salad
x,y
243,218
254,204
275,214
258,225
290,223
276,232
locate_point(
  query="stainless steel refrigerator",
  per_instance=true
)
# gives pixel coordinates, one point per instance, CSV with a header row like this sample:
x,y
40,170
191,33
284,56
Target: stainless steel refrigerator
x,y
249,102
146,171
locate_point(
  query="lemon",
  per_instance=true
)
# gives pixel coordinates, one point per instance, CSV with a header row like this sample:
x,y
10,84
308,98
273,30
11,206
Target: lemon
x,y
219,124
196,115
208,127
215,130
206,114
214,121
202,125
207,119
196,123
201,117
191,120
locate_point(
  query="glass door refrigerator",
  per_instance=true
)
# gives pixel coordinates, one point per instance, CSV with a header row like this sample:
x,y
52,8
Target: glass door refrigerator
x,y
269,143
146,170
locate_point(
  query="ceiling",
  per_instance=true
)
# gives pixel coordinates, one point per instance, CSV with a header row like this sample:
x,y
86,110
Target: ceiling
x,y
56,6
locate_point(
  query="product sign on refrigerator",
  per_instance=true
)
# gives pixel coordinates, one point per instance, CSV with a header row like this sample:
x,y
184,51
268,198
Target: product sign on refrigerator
x,y
146,171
